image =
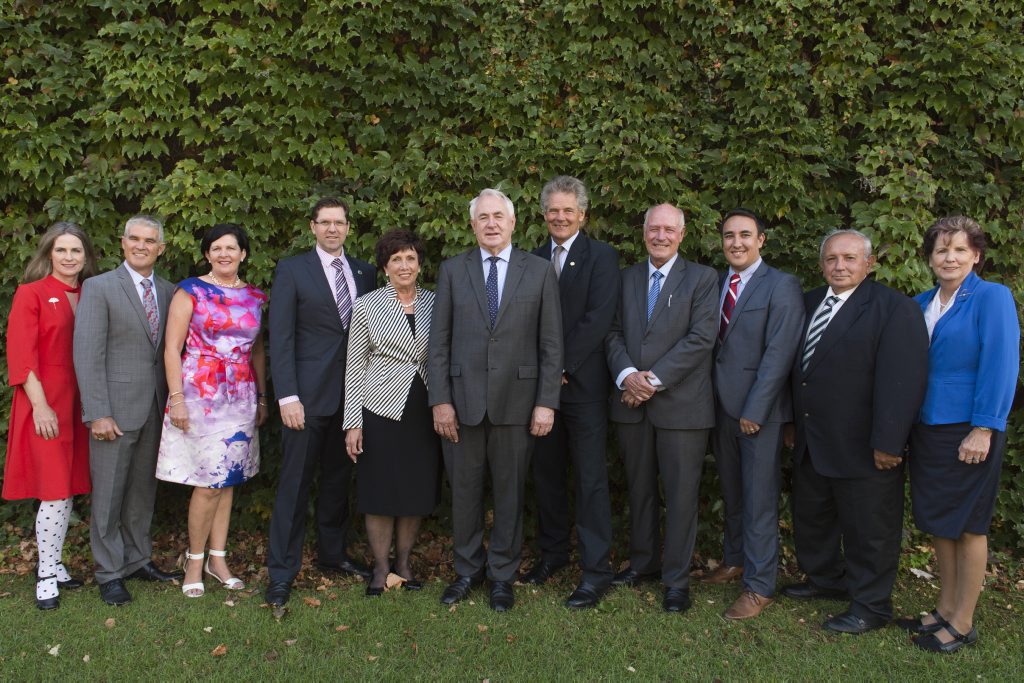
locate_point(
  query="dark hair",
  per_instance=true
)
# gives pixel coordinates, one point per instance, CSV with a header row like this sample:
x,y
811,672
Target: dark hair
x,y
220,230
746,213
395,241
327,203
949,226
41,263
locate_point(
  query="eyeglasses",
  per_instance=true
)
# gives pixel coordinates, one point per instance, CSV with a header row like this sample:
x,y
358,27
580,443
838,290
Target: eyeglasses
x,y
331,224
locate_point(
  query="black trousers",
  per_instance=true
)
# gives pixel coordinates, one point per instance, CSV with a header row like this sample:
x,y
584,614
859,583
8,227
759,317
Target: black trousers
x,y
848,534
580,434
320,446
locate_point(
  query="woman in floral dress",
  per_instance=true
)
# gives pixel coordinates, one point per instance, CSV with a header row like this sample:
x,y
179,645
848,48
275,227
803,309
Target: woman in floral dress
x,y
217,399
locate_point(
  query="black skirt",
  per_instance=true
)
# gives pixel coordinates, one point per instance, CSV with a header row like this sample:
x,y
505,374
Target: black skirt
x,y
399,471
949,496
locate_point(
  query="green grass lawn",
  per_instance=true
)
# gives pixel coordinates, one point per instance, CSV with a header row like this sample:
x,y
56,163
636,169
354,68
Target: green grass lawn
x,y
409,635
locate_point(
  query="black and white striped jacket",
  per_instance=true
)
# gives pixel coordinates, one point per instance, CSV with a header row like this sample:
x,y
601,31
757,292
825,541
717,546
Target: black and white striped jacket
x,y
384,355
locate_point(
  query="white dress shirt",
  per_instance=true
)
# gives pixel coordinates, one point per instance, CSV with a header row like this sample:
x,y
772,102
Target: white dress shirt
x,y
502,264
664,270
137,279
745,276
567,245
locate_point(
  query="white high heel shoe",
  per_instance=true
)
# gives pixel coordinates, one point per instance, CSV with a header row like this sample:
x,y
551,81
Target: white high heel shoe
x,y
193,590
232,583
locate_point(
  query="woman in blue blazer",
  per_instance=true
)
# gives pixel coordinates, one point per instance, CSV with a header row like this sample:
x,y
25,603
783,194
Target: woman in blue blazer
x,y
956,449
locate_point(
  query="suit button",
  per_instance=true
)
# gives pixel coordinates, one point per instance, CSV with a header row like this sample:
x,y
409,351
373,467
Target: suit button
x,y
807,414
493,339
803,384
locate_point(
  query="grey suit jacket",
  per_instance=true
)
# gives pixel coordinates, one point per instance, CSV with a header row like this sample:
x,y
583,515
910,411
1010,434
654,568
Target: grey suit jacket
x,y
753,360
675,345
501,373
120,370
384,356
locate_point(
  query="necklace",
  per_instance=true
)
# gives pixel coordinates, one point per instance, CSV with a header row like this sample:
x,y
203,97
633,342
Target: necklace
x,y
234,285
407,305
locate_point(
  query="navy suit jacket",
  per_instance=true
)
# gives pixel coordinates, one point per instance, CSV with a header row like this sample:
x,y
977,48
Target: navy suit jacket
x,y
589,292
307,340
864,384
974,357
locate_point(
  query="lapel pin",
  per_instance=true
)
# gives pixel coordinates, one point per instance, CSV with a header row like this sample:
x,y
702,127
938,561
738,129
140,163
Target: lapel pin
x,y
53,301
572,263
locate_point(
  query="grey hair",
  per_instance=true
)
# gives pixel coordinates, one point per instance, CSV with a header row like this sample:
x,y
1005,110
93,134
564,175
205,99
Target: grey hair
x,y
682,217
845,231
491,192
148,221
568,185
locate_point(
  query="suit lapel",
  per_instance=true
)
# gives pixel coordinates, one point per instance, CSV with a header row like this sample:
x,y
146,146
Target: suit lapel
x,y
748,291
674,279
475,273
166,293
640,283
841,323
135,300
574,261
514,273
315,273
422,324
966,289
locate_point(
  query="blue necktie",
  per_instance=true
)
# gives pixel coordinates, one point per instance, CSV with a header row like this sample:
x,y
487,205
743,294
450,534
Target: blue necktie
x,y
652,295
492,290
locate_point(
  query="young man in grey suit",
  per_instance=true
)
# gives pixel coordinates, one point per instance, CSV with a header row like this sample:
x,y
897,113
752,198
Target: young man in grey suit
x,y
310,310
759,329
659,352
588,284
119,362
495,371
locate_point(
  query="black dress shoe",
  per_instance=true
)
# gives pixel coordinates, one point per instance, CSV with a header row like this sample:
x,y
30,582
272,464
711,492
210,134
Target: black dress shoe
x,y
676,600
808,591
459,589
150,572
847,622
586,595
346,566
47,604
628,577
412,584
71,584
113,592
502,596
374,591
540,573
914,624
930,641
278,593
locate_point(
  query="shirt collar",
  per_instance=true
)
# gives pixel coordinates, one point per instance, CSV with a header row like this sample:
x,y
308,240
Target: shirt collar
x,y
665,269
566,244
844,296
504,254
137,277
326,259
747,272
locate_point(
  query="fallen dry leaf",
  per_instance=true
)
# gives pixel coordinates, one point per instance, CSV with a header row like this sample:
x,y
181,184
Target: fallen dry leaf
x,y
415,649
220,650
481,627
208,629
371,658
54,651
393,580
342,627
181,641
291,642
510,638
229,603
630,669
86,659
311,602
110,622
271,656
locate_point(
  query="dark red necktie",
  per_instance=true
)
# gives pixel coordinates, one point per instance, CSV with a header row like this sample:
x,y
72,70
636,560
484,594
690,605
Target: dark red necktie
x,y
728,304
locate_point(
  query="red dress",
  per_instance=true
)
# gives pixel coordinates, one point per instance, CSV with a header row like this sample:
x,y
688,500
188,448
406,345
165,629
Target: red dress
x,y
40,332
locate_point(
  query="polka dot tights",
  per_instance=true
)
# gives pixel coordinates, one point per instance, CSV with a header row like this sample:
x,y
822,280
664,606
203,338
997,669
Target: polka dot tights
x,y
51,529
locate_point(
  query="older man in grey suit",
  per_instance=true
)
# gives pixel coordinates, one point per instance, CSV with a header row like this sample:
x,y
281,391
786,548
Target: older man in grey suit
x,y
760,324
495,372
659,352
119,351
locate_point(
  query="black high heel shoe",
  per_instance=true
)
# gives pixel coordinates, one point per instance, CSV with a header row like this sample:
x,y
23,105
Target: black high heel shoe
x,y
47,604
71,584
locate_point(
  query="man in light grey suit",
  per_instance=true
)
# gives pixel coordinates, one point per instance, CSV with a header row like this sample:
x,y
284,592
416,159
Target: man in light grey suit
x,y
659,354
760,323
119,352
495,372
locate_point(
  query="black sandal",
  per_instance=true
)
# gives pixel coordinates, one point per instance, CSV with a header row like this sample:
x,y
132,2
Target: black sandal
x,y
930,642
915,625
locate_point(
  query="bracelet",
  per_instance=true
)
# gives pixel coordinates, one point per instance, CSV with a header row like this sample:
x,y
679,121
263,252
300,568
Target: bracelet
x,y
176,404
175,393
261,395
261,403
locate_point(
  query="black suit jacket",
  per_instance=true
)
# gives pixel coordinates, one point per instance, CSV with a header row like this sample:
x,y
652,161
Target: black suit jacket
x,y
864,384
589,291
307,340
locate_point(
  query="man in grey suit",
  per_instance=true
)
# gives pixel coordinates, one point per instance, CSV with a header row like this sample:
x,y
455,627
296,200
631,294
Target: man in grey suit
x,y
495,370
119,361
759,330
659,352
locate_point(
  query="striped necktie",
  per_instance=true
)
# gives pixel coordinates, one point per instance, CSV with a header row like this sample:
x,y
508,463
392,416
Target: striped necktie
x,y
652,294
728,303
341,293
817,328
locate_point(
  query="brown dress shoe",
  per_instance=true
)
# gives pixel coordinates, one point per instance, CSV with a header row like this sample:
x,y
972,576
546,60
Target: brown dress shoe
x,y
748,605
723,573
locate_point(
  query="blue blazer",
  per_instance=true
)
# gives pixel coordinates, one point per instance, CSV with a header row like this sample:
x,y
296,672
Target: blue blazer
x,y
974,357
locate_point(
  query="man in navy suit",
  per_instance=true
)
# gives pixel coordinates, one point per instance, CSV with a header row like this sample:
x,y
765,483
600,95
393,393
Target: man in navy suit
x,y
858,384
588,285
310,309
760,323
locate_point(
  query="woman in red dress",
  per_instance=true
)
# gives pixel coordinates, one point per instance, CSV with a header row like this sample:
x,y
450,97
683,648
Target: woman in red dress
x,y
47,443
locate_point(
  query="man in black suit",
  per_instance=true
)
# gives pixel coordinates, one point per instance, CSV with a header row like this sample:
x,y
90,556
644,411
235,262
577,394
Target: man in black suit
x,y
762,315
588,284
858,383
310,309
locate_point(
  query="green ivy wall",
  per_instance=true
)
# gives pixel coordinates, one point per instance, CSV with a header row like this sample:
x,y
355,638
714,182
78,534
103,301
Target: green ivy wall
x,y
867,113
